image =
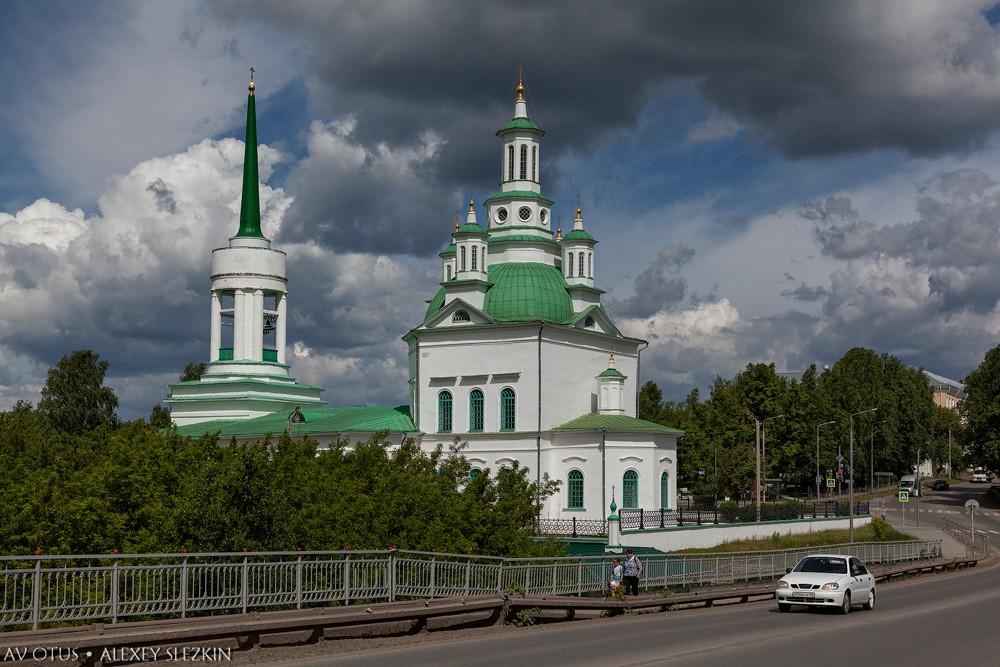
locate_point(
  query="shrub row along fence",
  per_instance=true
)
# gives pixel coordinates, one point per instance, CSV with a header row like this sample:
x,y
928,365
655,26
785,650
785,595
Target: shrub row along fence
x,y
43,590
725,513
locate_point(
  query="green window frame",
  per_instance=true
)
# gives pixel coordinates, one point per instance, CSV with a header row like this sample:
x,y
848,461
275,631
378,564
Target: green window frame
x,y
630,490
508,410
461,262
476,403
665,490
524,163
574,490
570,265
510,163
444,412
474,473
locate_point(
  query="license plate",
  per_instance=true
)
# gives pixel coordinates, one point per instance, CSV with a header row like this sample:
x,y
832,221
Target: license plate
x,y
803,594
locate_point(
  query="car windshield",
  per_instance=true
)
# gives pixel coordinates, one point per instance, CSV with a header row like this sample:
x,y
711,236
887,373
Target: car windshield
x,y
821,564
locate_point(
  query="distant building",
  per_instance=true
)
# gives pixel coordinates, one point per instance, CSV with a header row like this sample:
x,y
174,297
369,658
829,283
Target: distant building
x,y
947,393
516,355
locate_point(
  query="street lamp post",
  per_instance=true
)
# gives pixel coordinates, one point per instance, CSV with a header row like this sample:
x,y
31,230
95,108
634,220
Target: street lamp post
x,y
817,454
759,447
871,447
850,487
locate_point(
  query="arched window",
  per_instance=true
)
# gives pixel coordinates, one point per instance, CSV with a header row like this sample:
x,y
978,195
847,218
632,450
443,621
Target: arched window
x,y
444,412
524,162
475,255
580,272
534,163
461,263
460,316
447,270
665,490
574,490
630,490
476,410
474,473
507,410
570,275
510,163
590,265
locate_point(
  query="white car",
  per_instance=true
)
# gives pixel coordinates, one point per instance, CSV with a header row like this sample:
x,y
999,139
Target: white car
x,y
827,580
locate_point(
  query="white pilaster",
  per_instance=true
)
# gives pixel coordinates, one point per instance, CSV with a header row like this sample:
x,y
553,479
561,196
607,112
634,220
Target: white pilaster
x,y
257,330
239,324
216,337
279,334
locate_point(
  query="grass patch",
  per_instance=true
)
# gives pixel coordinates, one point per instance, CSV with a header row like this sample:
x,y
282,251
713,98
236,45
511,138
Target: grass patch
x,y
868,533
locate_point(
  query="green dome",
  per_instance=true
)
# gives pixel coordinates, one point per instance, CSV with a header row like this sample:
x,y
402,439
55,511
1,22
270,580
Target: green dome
x,y
527,291
578,235
471,228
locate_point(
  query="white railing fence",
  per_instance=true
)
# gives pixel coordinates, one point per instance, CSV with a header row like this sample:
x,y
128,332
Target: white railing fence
x,y
41,590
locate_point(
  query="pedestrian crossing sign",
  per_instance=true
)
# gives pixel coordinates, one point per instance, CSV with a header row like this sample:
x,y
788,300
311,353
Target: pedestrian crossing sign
x,y
904,496
831,483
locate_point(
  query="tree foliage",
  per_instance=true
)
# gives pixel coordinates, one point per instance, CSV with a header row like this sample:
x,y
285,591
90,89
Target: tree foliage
x,y
981,410
717,458
74,398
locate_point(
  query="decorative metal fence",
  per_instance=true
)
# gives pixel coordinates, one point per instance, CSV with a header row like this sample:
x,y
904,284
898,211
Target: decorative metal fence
x,y
39,590
976,544
640,519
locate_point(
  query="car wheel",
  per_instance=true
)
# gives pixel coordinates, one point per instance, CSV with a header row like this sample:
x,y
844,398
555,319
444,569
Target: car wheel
x,y
782,607
871,600
845,608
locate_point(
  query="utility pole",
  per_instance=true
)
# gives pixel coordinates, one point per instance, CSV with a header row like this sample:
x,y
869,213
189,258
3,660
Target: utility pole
x,y
850,488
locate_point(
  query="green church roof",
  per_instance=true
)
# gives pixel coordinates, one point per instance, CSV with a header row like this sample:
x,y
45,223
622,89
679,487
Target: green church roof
x,y
579,235
520,124
595,421
250,201
611,373
471,228
317,420
527,291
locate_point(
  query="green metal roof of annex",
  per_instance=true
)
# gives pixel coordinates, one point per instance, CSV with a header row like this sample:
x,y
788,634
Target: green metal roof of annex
x,y
317,420
594,421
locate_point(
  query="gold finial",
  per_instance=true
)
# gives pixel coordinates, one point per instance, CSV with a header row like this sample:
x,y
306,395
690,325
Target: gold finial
x,y
251,87
579,212
472,205
520,84
558,233
611,361
457,212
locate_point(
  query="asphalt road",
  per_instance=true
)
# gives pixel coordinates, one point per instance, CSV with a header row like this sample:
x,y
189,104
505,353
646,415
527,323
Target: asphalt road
x,y
935,619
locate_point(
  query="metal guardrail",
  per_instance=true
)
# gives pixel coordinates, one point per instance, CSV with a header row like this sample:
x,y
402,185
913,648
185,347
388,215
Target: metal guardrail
x,y
977,545
39,590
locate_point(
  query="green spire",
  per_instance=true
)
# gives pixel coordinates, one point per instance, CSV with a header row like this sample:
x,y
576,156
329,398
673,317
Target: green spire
x,y
250,204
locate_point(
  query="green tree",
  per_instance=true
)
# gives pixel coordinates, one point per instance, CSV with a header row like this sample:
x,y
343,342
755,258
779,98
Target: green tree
x,y
981,410
74,398
160,417
193,371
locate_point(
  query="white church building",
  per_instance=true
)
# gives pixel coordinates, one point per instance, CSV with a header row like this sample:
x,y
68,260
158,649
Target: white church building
x,y
516,356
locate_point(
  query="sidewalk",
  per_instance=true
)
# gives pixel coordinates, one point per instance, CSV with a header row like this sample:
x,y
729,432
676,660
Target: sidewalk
x,y
950,547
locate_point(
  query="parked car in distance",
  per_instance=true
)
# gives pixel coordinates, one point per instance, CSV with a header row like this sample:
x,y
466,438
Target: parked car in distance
x,y
827,580
939,485
979,475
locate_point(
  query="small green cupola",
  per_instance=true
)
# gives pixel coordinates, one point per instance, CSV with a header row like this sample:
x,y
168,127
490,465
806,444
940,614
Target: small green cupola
x,y
611,390
250,203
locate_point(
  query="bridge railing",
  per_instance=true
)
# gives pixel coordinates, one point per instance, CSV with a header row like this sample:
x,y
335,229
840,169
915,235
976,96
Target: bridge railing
x,y
42,590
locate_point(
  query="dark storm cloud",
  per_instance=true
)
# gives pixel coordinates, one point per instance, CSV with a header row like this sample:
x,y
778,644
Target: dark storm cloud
x,y
806,293
655,288
810,79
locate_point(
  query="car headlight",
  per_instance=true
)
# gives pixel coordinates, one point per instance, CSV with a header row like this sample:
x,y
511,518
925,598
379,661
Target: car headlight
x,y
782,584
832,586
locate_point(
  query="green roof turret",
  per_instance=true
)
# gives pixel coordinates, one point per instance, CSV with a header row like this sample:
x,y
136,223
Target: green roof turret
x,y
250,202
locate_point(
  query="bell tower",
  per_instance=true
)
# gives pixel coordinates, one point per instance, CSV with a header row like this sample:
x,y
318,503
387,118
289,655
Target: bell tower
x,y
247,375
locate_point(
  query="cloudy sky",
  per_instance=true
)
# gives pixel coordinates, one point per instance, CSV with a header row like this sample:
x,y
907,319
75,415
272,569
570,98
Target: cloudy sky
x,y
768,181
